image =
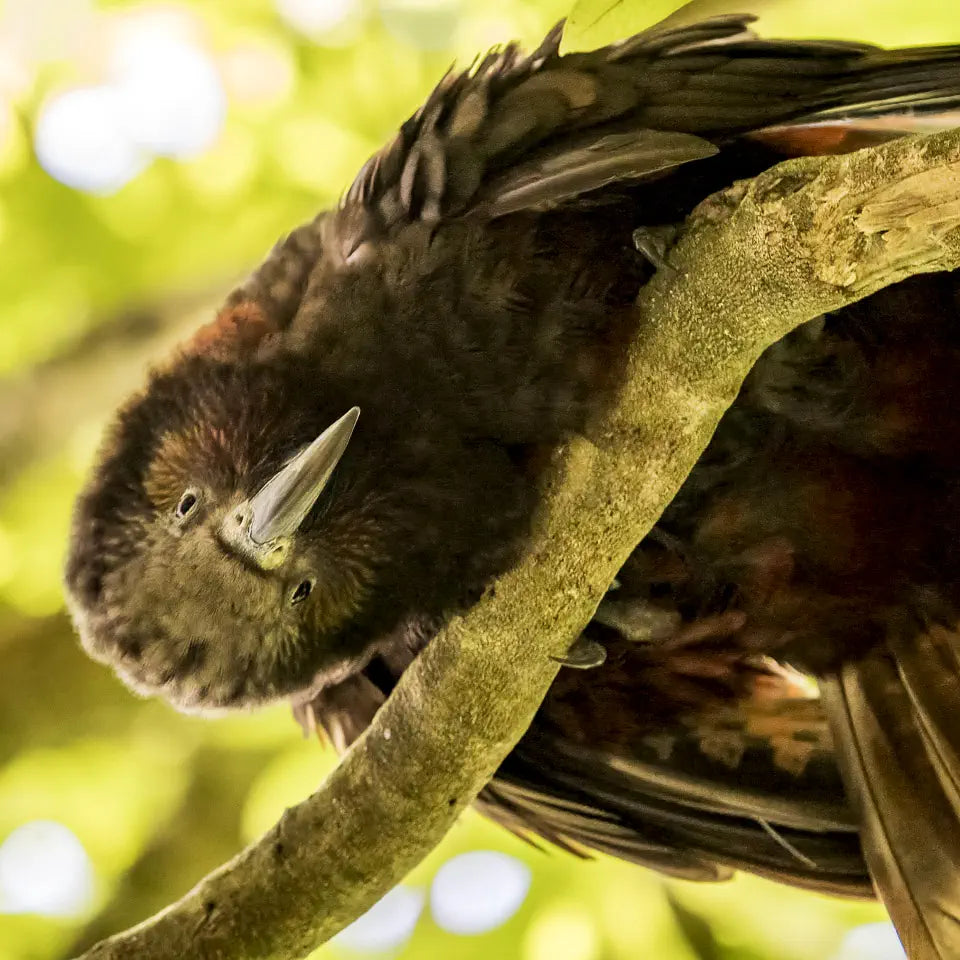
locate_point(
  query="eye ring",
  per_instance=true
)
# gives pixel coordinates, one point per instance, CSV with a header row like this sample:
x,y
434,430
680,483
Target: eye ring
x,y
187,504
302,591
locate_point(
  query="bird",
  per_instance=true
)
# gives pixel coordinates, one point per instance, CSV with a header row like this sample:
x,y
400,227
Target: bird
x,y
355,448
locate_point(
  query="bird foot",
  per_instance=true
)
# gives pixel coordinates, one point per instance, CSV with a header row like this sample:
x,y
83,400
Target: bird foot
x,y
304,715
653,243
584,654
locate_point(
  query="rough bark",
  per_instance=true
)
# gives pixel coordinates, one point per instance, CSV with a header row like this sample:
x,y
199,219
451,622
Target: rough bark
x,y
752,263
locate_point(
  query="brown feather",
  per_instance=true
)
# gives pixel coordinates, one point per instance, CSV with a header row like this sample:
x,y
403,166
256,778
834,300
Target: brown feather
x,y
908,802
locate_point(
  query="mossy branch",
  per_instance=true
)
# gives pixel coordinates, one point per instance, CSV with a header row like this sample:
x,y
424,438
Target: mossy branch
x,y
808,236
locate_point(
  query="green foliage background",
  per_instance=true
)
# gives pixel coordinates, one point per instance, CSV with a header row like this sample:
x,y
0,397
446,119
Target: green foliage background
x,y
92,287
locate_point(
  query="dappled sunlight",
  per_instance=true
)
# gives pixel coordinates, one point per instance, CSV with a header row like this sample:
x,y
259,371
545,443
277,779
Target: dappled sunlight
x,y
387,925
477,892
427,24
82,141
258,72
171,97
44,869
316,18
565,932
163,97
873,941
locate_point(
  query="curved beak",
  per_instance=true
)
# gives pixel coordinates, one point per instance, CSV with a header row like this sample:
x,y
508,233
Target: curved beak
x,y
284,501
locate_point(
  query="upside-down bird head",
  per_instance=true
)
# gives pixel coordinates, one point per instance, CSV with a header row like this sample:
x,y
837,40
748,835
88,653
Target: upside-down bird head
x,y
200,542
248,536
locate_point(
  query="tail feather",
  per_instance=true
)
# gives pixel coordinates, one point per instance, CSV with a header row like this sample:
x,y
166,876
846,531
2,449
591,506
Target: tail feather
x,y
581,121
895,721
929,667
686,813
534,132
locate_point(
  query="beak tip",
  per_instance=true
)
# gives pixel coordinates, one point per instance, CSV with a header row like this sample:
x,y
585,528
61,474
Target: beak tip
x,y
283,502
345,425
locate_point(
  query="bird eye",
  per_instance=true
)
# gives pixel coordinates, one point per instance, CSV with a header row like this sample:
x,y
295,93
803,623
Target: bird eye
x,y
187,502
302,591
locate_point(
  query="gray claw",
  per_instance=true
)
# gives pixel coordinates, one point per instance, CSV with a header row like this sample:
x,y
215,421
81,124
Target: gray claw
x,y
304,715
654,242
584,654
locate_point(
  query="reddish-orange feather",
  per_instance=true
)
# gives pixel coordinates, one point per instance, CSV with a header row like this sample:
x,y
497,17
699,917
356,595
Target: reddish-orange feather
x,y
236,331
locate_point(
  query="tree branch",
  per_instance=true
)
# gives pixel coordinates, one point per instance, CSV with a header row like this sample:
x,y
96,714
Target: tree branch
x,y
754,262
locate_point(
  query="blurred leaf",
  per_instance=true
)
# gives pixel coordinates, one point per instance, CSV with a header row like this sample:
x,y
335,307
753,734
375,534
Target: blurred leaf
x,y
109,793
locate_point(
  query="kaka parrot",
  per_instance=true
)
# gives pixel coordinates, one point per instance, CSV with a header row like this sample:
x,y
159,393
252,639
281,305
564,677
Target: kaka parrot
x,y
355,448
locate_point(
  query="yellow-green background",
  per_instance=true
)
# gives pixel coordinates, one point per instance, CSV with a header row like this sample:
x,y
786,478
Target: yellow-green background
x,y
94,285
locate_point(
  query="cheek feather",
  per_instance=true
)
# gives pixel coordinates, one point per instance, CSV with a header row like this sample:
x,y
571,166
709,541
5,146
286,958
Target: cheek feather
x,y
170,469
353,547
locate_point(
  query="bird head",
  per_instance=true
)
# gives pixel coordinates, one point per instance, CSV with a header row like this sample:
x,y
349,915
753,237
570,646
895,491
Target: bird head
x,y
244,538
207,562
